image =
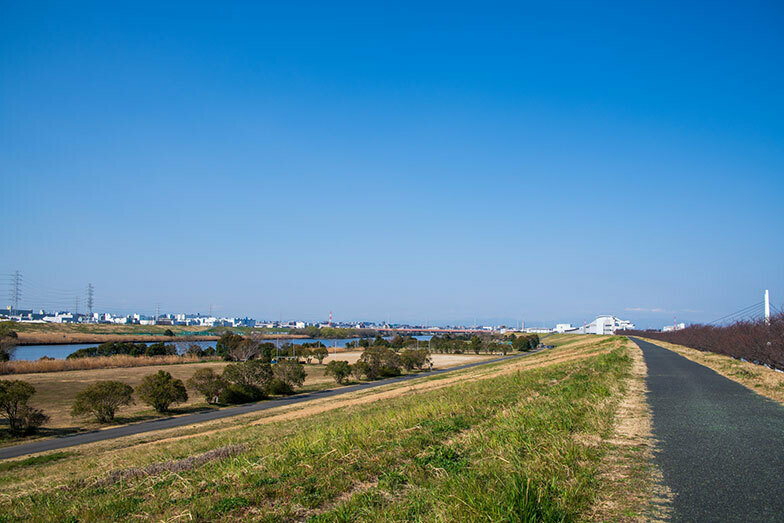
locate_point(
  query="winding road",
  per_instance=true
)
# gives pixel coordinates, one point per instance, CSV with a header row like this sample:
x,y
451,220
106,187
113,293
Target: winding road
x,y
199,417
720,446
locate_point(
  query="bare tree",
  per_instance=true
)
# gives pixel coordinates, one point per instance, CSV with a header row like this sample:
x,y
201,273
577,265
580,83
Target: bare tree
x,y
246,350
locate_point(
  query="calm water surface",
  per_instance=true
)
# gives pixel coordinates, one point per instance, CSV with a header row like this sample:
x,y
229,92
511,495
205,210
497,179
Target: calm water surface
x,y
36,352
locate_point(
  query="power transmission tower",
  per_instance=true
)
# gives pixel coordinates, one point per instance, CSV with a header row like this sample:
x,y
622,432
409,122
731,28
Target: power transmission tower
x,y
16,289
157,312
76,305
90,292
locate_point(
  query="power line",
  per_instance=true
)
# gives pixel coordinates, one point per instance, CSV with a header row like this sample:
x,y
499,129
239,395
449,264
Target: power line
x,y
741,312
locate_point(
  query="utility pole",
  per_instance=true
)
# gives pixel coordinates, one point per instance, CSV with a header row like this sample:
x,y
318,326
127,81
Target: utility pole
x,y
277,340
16,289
90,293
767,307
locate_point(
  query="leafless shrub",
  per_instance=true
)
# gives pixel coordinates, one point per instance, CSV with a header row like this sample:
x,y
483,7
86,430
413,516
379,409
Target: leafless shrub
x,y
754,341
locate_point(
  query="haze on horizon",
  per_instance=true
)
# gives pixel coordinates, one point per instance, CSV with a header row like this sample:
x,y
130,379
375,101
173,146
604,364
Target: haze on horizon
x,y
439,163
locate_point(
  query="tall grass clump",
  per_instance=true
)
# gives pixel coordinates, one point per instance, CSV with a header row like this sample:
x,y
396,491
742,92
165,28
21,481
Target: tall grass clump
x,y
98,362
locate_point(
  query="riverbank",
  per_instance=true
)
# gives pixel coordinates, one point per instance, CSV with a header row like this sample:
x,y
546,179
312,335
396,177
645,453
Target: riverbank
x,y
44,338
67,338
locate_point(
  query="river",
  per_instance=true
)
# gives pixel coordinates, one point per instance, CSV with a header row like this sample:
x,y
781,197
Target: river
x,y
59,352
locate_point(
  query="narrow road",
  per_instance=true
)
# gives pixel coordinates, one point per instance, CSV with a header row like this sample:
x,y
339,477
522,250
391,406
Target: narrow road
x,y
189,419
720,445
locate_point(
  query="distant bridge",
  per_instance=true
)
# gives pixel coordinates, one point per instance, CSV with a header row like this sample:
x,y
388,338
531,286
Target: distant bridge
x,y
433,331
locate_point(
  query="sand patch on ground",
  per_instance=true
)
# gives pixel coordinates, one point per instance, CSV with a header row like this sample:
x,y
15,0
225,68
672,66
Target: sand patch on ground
x,y
440,361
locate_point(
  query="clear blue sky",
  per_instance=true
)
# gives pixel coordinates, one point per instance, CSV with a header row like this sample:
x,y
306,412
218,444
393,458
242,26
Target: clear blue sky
x,y
443,162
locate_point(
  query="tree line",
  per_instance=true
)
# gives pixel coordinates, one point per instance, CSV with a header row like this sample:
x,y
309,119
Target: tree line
x,y
240,382
755,341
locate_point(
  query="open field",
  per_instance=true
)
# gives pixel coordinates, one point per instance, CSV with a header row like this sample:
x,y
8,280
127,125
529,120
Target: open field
x,y
760,379
523,439
55,392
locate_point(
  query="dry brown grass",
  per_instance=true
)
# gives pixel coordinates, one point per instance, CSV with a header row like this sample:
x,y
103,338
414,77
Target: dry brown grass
x,y
586,349
632,488
56,391
99,362
760,379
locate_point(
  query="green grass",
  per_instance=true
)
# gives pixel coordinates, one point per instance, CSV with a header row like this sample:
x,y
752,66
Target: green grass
x,y
503,448
35,460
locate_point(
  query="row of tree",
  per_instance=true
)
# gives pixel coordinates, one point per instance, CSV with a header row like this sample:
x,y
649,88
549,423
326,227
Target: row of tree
x,y
756,341
333,332
239,383
252,380
464,343
233,347
114,348
380,362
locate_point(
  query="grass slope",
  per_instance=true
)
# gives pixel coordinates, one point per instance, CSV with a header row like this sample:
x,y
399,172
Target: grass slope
x,y
500,445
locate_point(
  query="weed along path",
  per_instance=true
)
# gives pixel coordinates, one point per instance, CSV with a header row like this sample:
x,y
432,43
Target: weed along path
x,y
189,419
720,445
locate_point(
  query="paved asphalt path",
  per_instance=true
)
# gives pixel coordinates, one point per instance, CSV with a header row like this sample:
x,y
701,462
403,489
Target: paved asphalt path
x,y
720,445
167,423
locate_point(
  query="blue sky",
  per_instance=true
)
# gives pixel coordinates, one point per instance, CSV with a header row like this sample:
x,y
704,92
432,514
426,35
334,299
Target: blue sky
x,y
433,162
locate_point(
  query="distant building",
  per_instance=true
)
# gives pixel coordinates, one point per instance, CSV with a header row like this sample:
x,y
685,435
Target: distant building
x,y
677,327
538,330
604,325
563,327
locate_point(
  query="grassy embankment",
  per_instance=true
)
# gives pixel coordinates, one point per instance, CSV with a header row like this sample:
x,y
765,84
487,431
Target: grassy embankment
x,y
758,378
56,391
525,439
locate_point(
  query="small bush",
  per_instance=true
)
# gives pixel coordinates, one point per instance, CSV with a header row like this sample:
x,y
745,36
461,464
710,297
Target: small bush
x,y
161,390
280,387
254,373
338,369
22,418
380,362
320,353
289,372
415,358
102,399
359,369
207,383
234,393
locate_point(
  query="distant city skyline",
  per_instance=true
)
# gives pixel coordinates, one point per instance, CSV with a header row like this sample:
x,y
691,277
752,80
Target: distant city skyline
x,y
434,163
644,318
